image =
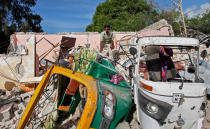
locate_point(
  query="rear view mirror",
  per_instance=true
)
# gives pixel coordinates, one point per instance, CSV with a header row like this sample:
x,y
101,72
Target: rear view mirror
x,y
133,51
204,54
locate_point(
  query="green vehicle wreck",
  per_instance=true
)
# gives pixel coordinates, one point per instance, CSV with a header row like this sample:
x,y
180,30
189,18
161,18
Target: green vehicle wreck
x,y
91,84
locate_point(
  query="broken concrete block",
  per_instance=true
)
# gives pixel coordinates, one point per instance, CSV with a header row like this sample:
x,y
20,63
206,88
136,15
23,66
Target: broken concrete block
x,y
7,112
1,117
2,92
8,123
21,108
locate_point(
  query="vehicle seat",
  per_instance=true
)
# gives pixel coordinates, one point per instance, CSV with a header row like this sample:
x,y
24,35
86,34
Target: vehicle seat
x,y
72,88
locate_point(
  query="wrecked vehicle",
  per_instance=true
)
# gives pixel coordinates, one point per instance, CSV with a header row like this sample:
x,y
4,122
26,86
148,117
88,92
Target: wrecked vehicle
x,y
105,104
179,102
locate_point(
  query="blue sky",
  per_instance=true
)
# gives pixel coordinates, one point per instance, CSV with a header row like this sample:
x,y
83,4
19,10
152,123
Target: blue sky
x,y
75,15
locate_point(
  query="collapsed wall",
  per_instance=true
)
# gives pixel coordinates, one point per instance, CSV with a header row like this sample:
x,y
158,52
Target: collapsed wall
x,y
14,67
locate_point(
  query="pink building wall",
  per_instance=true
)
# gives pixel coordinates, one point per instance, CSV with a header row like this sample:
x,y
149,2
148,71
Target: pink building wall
x,y
93,39
81,39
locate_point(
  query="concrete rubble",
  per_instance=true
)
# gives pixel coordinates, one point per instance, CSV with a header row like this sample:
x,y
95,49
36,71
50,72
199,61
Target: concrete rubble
x,y
12,106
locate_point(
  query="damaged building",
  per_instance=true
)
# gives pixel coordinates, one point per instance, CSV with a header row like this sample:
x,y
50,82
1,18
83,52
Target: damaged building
x,y
30,56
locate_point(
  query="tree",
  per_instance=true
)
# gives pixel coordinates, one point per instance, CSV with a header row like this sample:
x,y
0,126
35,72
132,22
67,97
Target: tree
x,y
15,16
123,15
200,23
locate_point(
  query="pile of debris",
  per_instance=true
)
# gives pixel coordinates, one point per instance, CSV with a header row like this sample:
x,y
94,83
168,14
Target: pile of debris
x,y
12,105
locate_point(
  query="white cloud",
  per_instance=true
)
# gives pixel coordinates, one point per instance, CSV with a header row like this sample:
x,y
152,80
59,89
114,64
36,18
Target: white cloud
x,y
194,10
189,10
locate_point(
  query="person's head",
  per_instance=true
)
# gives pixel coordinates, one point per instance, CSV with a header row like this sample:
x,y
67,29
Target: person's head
x,y
107,28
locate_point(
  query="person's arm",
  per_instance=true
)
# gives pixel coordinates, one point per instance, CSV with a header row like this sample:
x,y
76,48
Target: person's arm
x,y
101,46
112,44
112,41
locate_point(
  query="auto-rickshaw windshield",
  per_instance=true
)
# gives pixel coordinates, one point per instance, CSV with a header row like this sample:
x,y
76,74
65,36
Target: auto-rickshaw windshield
x,y
169,63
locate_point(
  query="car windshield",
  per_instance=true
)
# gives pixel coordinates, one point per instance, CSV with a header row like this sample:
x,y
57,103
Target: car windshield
x,y
168,63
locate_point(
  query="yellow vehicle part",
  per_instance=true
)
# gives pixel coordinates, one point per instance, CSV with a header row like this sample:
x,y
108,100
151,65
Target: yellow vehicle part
x,y
90,106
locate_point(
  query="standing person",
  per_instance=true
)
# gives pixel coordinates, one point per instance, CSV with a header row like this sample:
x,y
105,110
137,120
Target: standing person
x,y
165,55
106,41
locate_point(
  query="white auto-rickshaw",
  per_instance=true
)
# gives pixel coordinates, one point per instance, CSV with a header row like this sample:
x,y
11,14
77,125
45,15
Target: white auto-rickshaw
x,y
178,103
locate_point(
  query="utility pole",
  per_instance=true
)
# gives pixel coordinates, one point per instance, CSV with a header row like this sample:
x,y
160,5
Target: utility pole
x,y
178,4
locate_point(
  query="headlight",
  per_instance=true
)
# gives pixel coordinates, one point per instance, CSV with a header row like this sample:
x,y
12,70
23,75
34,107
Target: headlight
x,y
108,104
152,108
108,107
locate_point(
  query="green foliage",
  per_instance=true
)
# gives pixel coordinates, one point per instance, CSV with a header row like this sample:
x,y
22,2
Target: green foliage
x,y
200,23
123,15
16,15
133,15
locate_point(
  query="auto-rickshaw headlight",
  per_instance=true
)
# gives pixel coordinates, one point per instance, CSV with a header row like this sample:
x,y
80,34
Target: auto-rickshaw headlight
x,y
109,104
108,107
152,108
